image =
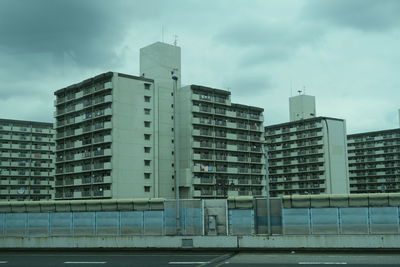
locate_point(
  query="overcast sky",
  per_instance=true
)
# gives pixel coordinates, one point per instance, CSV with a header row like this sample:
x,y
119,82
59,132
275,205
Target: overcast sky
x,y
344,52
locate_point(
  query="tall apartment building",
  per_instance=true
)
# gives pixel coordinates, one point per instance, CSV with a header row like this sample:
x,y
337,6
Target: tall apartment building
x,y
307,155
122,136
374,161
27,160
220,145
115,132
105,138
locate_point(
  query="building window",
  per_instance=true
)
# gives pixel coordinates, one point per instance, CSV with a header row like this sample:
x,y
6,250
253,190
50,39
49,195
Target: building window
x,y
147,189
147,98
147,136
147,149
146,175
147,86
147,162
147,111
147,124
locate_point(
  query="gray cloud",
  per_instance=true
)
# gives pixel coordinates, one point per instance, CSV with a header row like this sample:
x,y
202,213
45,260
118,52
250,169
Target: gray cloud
x,y
249,84
365,15
266,43
86,31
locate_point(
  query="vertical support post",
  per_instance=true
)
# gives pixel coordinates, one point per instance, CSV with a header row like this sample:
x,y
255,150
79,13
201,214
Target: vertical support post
x,y
267,189
176,153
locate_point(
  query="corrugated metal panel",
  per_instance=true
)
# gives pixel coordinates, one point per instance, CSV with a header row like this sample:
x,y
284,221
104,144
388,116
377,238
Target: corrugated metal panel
x,y
131,223
15,224
38,224
2,223
296,221
241,222
384,220
107,222
354,220
84,223
153,222
325,221
61,224
192,221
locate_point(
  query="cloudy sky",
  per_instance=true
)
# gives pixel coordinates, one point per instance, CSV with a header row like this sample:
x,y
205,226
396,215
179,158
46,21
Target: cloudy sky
x,y
344,52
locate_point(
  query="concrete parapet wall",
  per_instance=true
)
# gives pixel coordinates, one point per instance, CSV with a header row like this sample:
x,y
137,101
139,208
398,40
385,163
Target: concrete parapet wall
x,y
206,242
140,204
342,200
321,241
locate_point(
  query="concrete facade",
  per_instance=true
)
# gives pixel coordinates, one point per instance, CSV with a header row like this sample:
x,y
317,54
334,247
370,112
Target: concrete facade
x,y
307,157
160,61
220,146
106,145
374,161
219,242
27,160
301,107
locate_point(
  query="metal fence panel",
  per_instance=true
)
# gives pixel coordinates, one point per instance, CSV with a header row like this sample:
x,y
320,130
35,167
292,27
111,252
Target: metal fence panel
x,y
241,222
192,221
384,220
38,224
296,221
107,223
170,218
153,222
261,216
15,224
276,215
84,223
61,224
2,223
131,223
354,220
324,221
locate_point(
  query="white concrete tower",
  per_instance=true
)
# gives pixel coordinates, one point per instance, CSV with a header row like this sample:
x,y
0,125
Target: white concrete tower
x,y
301,107
162,62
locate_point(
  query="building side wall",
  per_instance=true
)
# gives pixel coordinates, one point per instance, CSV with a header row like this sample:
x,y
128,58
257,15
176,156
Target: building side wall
x,y
336,157
185,118
157,61
130,150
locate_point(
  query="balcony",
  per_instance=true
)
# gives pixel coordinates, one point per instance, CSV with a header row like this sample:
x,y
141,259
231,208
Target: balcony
x,y
203,157
203,180
243,170
203,168
202,109
204,121
202,144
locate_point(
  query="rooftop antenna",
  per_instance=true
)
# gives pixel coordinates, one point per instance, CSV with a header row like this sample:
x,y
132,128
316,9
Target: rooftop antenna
x,y
299,91
304,89
176,39
162,33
